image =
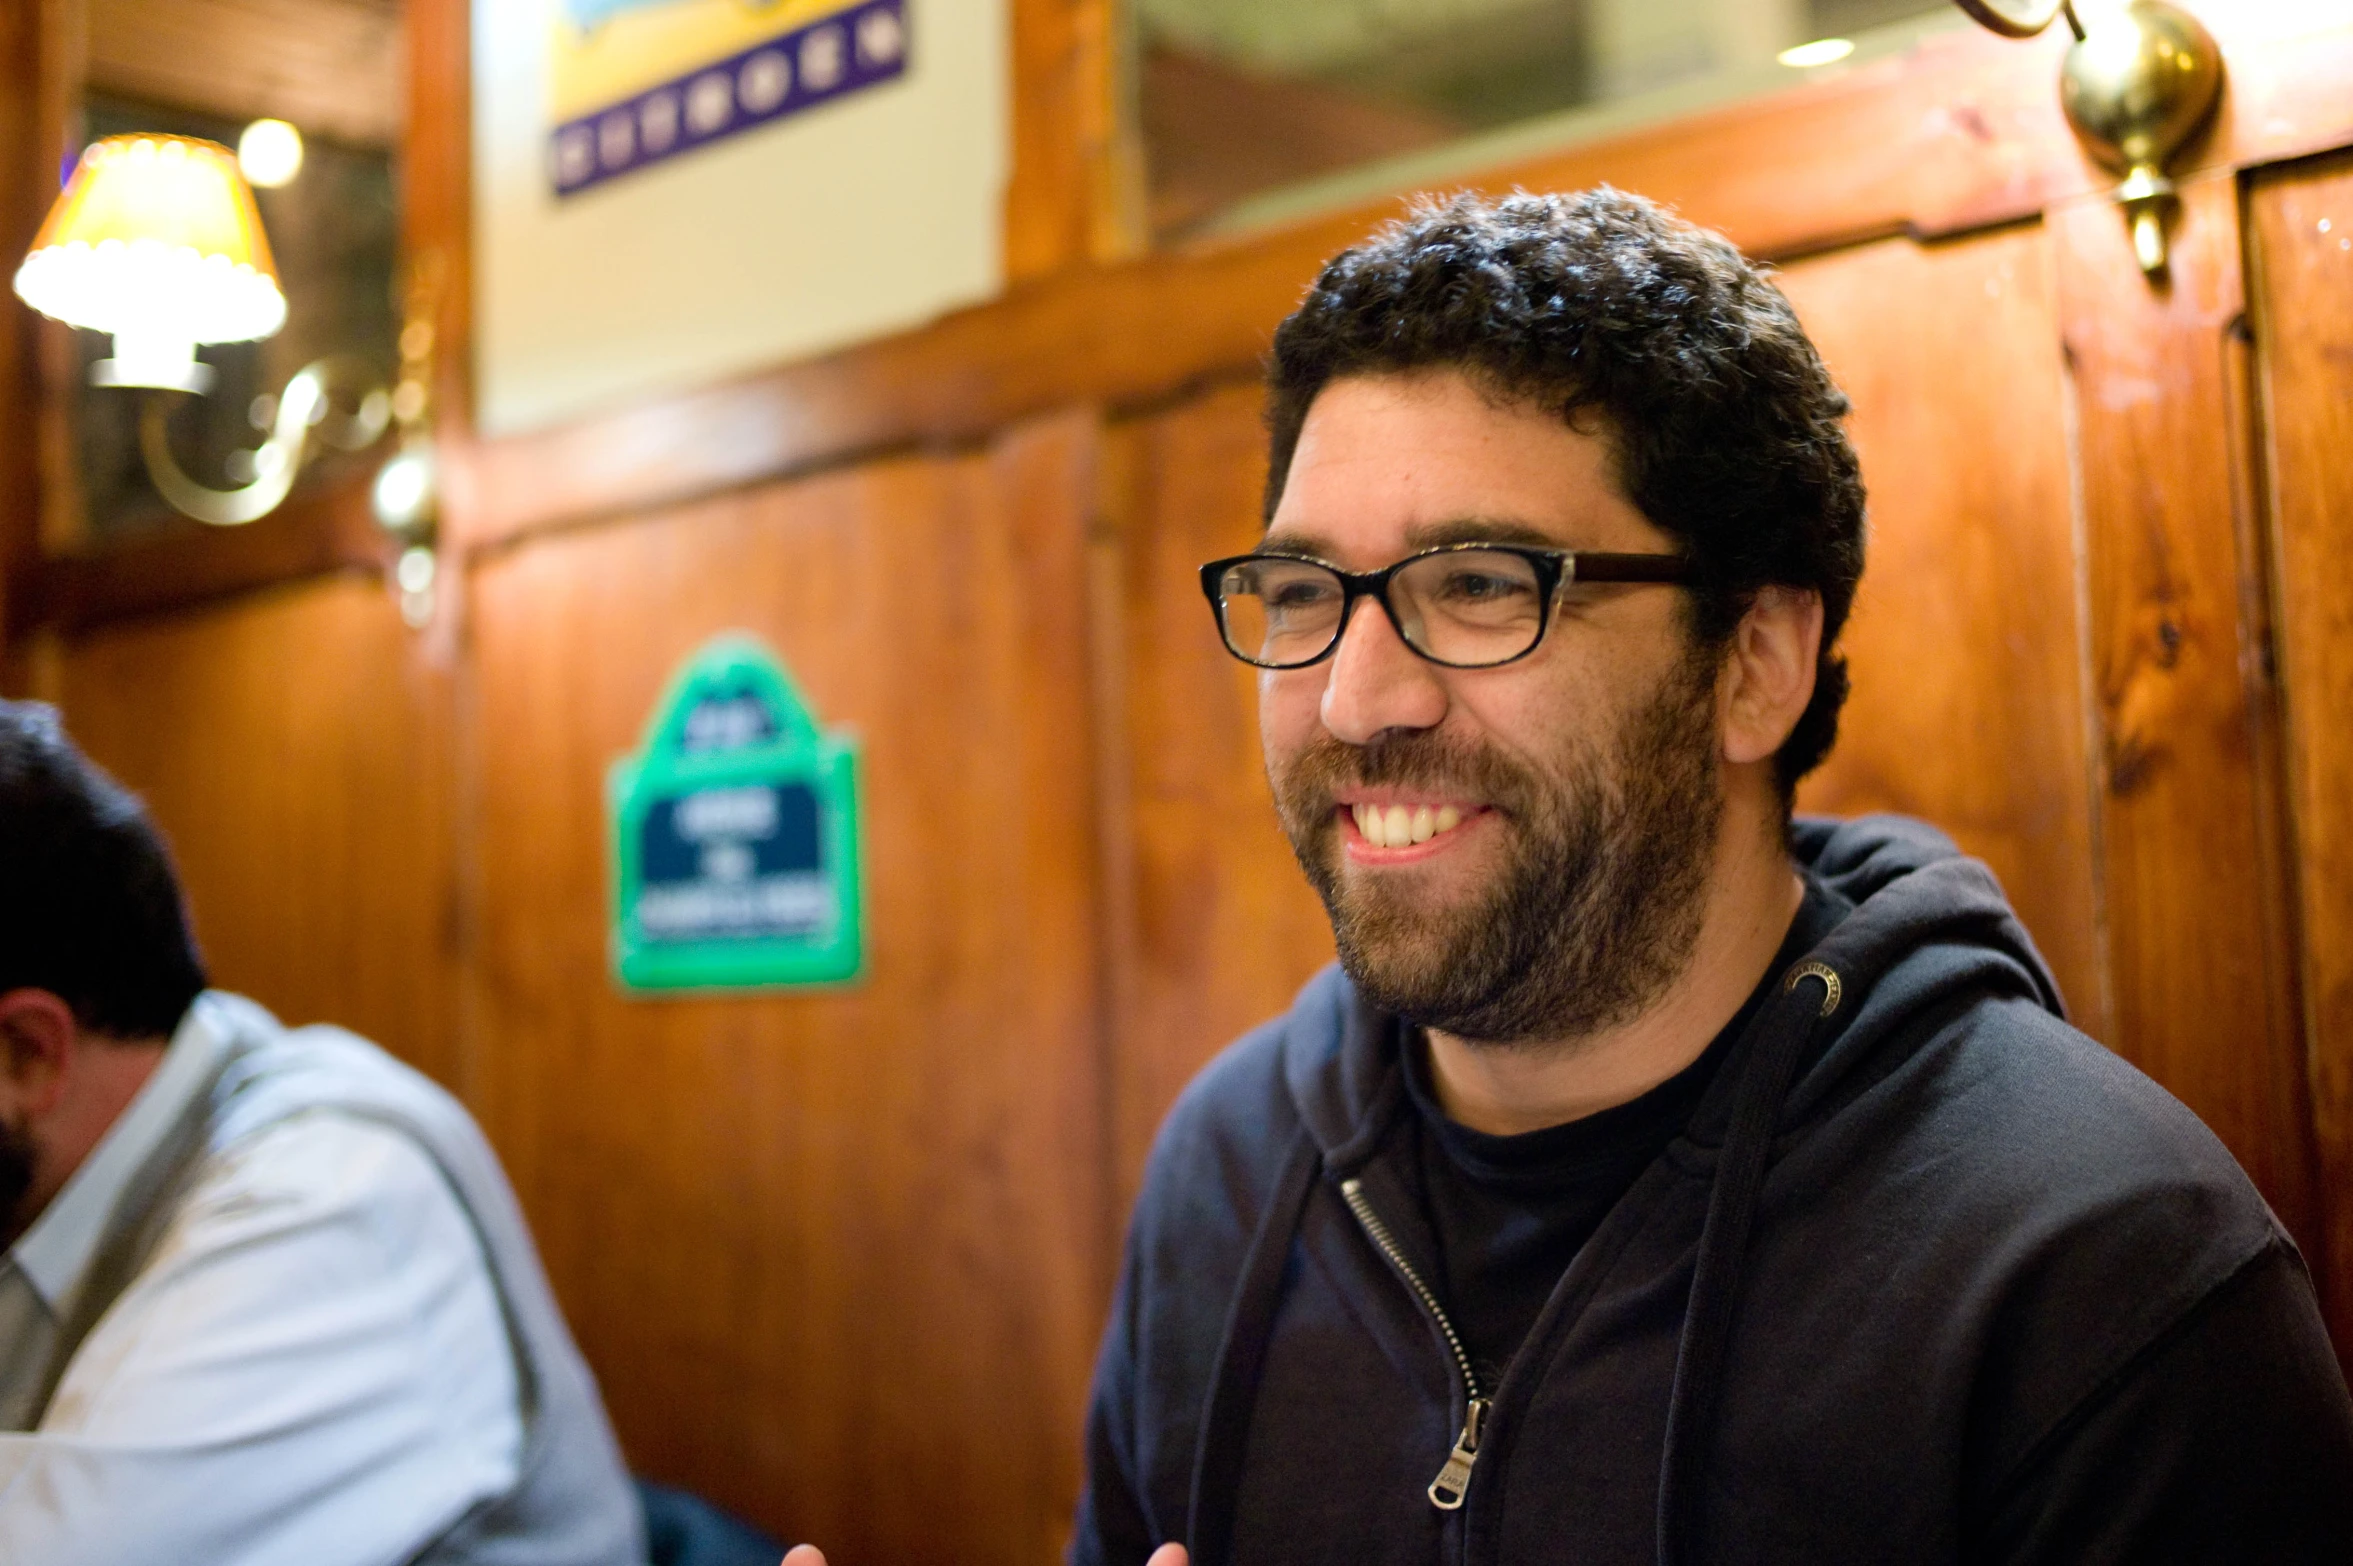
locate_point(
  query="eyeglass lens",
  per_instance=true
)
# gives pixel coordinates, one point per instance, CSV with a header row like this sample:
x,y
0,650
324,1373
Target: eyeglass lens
x,y
1466,607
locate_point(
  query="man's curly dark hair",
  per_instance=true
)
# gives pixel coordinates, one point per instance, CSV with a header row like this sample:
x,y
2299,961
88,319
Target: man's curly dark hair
x,y
1726,429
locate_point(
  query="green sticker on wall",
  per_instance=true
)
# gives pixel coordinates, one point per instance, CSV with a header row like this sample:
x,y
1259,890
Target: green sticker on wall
x,y
735,835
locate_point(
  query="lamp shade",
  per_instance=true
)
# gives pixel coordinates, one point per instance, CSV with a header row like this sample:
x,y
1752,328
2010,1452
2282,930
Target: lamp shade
x,y
155,239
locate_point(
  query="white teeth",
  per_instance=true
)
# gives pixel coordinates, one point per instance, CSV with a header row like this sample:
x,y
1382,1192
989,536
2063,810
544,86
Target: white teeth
x,y
1400,826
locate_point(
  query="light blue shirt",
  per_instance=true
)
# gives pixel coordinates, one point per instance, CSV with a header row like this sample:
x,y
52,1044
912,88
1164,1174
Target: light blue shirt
x,y
311,1370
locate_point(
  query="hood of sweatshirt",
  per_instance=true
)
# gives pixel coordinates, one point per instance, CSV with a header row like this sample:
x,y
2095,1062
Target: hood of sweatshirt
x,y
1929,929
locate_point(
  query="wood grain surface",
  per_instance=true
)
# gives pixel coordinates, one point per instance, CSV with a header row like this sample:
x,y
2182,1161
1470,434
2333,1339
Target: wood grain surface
x,y
1224,928
835,1254
296,748
188,563
2302,221
1072,198
1965,644
26,140
2191,848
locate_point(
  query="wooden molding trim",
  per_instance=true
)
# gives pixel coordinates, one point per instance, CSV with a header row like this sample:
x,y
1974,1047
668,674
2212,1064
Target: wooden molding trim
x,y
1963,133
311,535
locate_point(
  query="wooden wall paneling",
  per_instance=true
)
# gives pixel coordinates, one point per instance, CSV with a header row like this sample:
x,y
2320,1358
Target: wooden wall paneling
x,y
1071,199
2198,909
27,34
1965,647
1963,133
1226,928
2302,233
64,65
835,1254
436,197
295,748
311,535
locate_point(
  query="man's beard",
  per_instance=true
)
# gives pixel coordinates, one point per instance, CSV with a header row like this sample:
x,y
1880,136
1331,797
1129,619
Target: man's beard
x,y
1593,912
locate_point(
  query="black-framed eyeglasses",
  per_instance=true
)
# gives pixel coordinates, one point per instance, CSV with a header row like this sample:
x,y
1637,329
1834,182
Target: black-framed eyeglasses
x,y
1466,606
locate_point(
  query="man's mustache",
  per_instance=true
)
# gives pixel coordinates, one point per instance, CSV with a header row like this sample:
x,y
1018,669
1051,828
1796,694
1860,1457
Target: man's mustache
x,y
1311,777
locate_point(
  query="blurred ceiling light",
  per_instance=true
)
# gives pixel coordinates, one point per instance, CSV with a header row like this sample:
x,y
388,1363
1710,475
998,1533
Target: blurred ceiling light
x,y
270,153
155,239
1822,51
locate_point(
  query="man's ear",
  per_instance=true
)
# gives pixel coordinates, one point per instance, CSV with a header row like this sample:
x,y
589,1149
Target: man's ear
x,y
37,1038
1769,675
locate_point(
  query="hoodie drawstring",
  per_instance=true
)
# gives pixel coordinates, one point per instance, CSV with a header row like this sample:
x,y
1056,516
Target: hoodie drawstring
x,y
1723,1247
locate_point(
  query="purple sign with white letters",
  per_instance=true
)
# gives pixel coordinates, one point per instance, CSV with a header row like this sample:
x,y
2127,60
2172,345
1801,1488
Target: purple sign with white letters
x,y
847,52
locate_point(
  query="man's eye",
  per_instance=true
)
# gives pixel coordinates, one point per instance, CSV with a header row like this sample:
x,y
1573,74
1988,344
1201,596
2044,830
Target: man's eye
x,y
1296,594
1482,587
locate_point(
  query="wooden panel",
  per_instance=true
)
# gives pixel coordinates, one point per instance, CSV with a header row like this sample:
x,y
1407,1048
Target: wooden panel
x,y
332,67
1963,133
2303,240
26,146
189,563
1068,201
2190,850
835,1254
297,751
1225,928
1965,648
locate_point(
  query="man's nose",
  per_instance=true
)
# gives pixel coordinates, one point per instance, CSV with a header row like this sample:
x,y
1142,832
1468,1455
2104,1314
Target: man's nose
x,y
1377,683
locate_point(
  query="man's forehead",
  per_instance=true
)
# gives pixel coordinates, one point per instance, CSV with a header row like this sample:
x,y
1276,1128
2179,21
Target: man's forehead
x,y
1390,464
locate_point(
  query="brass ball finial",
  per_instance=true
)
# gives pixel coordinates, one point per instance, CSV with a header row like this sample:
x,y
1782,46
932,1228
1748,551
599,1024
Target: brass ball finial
x,y
2137,85
2136,90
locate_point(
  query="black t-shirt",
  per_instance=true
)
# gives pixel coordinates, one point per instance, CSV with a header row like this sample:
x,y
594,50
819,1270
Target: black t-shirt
x,y
1509,1213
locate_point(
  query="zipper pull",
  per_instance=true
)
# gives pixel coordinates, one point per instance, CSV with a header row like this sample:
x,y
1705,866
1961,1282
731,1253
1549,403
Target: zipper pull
x,y
1454,1480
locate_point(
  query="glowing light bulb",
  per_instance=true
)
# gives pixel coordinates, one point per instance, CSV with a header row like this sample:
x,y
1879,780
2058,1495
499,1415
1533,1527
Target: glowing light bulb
x,y
403,493
1822,51
270,153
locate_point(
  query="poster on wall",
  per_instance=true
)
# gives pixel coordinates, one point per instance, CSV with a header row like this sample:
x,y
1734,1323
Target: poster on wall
x,y
668,192
733,835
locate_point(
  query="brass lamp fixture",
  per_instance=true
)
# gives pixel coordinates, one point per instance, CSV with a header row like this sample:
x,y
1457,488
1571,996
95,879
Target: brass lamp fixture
x,y
2137,85
156,240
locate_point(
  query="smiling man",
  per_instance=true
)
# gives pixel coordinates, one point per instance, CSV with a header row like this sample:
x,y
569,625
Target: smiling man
x,y
1655,1178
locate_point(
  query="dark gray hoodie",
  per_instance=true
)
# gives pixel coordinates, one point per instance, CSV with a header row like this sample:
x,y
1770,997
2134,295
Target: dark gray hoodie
x,y
1929,1276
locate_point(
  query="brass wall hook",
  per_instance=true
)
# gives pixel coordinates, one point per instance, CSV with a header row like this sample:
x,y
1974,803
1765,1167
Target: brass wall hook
x,y
2137,85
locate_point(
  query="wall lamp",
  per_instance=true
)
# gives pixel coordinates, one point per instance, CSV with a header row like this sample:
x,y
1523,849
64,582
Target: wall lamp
x,y
156,240
2138,83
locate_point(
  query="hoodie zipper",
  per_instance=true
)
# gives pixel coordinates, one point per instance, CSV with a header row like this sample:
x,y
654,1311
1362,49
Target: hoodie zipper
x,y
1449,1489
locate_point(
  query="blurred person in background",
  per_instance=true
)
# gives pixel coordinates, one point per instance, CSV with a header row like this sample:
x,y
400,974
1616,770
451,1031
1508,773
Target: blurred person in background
x,y
267,1297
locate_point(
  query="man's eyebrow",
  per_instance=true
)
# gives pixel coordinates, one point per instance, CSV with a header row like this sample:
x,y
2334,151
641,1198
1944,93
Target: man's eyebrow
x,y
1420,536
1290,541
1479,530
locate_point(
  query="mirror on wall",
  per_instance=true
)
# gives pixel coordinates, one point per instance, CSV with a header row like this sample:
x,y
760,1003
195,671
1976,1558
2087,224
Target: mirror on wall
x,y
1241,100
329,74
